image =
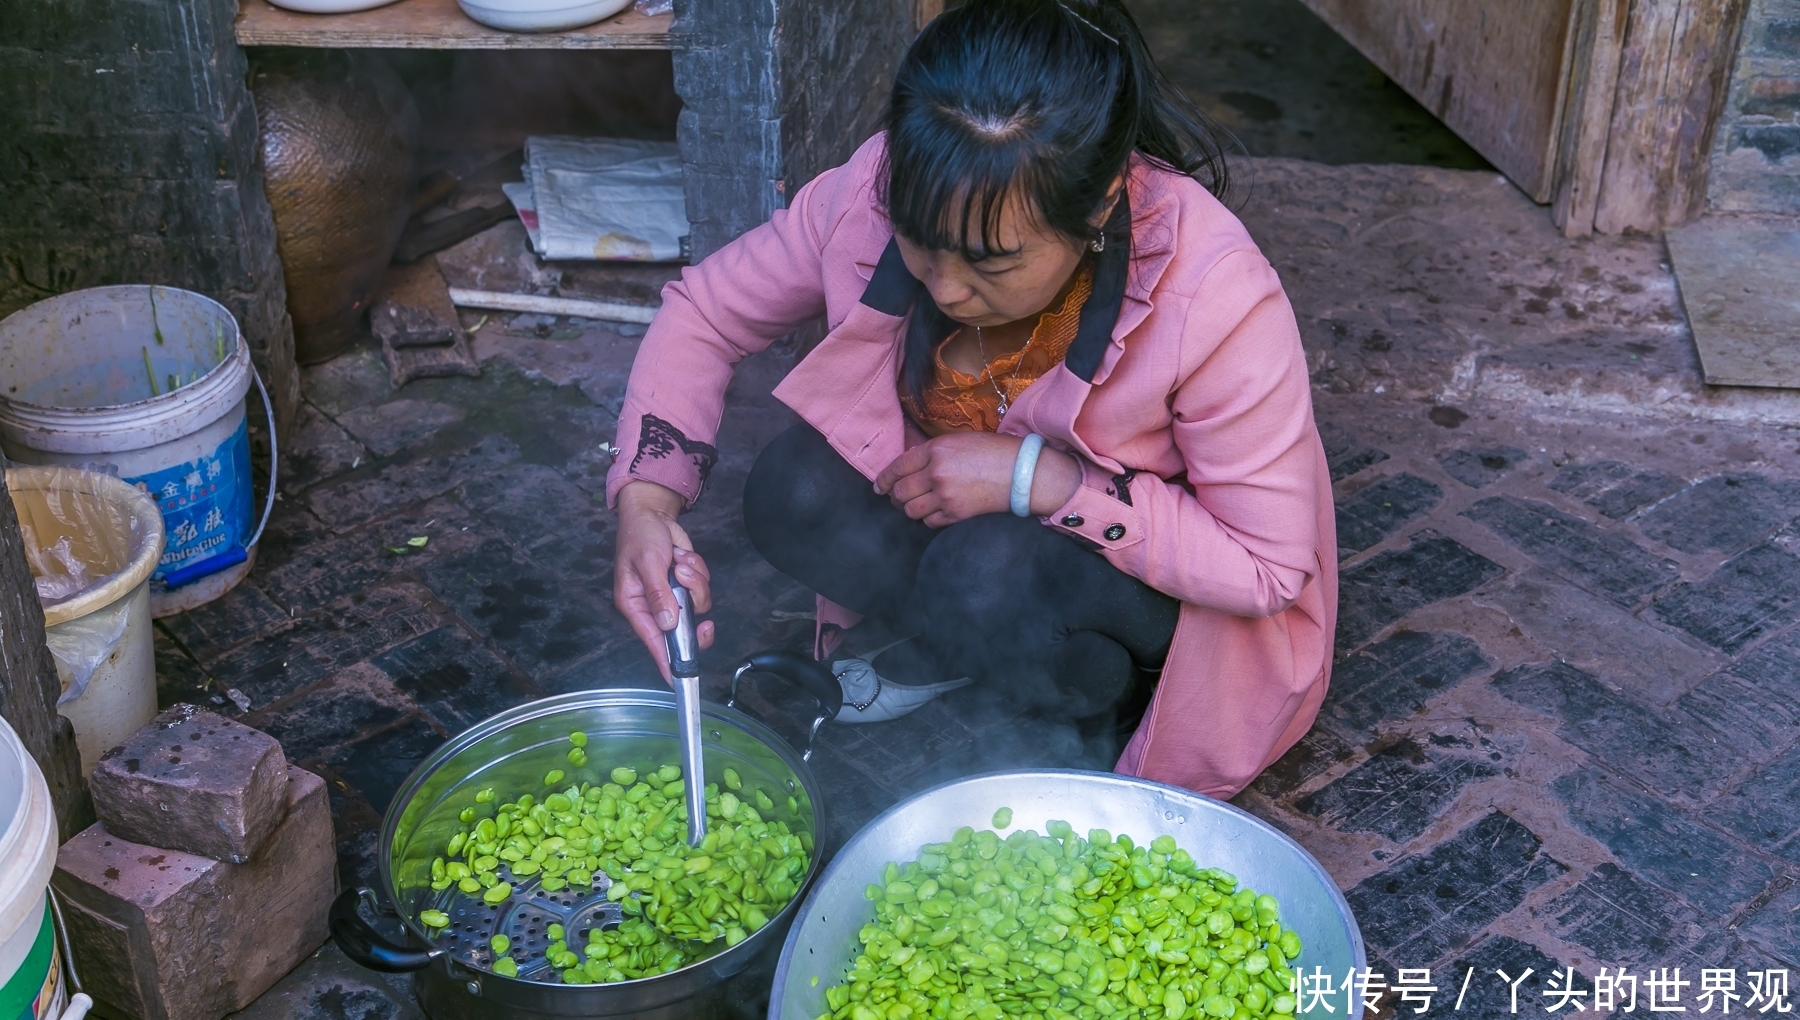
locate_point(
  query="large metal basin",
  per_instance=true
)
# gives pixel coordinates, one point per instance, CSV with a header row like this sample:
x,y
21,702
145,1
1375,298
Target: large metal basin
x,y
822,945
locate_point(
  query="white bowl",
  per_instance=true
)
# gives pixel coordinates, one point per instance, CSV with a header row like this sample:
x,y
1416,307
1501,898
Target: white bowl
x,y
329,6
540,15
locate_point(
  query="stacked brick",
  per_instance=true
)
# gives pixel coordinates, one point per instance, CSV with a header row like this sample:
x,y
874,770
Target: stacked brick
x,y
208,875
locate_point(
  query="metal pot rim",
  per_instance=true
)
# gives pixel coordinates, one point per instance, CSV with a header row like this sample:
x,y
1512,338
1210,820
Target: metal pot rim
x,y
810,903
641,696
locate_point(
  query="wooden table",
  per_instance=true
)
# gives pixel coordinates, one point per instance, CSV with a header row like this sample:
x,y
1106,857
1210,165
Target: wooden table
x,y
436,25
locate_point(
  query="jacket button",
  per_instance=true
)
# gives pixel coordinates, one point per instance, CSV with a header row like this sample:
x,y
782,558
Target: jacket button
x,y
1115,532
1073,521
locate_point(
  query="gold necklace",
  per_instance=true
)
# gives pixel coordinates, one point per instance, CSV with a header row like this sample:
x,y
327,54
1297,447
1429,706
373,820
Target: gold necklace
x,y
995,383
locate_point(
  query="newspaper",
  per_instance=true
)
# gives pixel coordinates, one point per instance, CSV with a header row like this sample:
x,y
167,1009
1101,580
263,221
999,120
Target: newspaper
x,y
602,198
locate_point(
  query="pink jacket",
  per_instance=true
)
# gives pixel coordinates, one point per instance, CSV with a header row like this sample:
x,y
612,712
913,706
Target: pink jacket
x,y
1185,395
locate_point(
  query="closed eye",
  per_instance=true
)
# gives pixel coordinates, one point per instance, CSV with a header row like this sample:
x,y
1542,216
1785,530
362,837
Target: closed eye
x,y
997,265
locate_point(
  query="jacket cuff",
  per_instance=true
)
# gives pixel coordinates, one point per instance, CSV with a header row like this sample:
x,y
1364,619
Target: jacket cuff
x,y
663,454
1101,510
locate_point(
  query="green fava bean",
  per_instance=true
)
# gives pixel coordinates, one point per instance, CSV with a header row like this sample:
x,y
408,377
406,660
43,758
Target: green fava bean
x,y
631,830
1290,944
434,918
500,944
1002,818
578,738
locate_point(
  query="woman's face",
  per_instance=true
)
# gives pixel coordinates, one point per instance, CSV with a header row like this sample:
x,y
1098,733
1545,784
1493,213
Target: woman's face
x,y
1031,267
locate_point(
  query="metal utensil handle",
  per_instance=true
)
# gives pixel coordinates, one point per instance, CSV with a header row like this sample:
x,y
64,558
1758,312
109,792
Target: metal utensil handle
x,y
684,664
693,765
683,644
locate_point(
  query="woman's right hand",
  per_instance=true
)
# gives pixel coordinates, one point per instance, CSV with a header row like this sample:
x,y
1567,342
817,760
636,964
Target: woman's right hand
x,y
649,542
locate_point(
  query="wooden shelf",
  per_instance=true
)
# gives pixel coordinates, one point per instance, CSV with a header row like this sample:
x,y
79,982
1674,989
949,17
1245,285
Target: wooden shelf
x,y
436,25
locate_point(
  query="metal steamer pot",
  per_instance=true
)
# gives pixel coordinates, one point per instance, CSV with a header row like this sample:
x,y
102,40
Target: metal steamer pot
x,y
511,752
823,945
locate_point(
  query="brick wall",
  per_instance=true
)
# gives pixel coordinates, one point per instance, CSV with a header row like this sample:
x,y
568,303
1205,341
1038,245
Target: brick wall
x,y
773,92
1756,158
129,154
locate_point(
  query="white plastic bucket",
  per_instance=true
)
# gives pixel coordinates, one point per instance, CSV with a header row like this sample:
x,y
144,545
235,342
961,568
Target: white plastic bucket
x,y
147,384
97,623
31,985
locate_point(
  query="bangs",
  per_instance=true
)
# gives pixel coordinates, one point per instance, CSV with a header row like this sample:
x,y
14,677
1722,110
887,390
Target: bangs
x,y
948,190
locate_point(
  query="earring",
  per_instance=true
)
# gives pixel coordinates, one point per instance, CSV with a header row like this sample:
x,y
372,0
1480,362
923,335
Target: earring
x,y
1098,244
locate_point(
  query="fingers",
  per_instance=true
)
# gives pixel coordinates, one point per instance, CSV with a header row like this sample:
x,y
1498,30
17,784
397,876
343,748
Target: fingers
x,y
906,464
629,598
661,597
910,487
704,633
922,507
694,575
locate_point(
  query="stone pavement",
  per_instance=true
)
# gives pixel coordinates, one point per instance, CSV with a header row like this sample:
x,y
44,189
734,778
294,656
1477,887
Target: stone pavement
x,y
1562,730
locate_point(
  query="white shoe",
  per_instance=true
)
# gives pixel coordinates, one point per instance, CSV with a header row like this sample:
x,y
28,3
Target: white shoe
x,y
870,699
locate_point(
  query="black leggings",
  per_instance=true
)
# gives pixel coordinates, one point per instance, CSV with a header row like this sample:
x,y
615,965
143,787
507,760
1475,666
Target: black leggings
x,y
1019,607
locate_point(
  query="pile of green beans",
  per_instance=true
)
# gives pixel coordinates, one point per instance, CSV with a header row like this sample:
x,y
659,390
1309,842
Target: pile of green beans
x,y
629,833
1061,926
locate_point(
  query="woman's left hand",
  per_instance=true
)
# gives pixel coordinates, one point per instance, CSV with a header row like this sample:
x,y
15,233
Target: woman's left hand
x,y
966,474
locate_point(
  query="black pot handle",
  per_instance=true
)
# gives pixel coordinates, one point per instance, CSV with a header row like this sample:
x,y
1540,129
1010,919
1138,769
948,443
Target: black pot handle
x,y
809,675
362,943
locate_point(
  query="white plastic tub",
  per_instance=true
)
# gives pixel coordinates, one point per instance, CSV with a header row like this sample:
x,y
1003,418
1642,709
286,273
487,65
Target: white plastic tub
x,y
149,385
96,540
31,983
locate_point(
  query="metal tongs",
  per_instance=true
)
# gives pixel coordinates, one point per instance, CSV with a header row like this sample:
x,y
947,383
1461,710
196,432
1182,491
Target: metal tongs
x,y
684,667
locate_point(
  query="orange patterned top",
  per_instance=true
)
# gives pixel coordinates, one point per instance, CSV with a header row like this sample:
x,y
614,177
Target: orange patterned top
x,y
958,402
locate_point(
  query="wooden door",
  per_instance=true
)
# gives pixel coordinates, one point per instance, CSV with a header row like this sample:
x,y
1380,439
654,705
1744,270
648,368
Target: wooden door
x,y
1604,107
1495,73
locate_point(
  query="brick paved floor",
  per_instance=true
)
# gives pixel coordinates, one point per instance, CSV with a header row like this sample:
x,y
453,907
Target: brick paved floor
x,y
1562,729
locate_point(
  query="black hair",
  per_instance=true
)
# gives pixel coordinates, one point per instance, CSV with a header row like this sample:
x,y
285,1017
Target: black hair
x,y
1046,98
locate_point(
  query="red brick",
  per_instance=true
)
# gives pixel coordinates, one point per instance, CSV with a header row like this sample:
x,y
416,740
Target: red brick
x,y
195,782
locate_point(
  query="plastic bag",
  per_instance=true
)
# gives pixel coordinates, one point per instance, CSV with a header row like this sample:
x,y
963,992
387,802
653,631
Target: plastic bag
x,y
80,645
74,541
652,8
81,536
57,572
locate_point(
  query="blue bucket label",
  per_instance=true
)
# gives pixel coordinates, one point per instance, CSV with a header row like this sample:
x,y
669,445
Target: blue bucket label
x,y
205,503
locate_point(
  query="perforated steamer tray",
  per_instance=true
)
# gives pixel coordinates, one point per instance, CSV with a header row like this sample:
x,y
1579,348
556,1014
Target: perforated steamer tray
x,y
525,918
511,753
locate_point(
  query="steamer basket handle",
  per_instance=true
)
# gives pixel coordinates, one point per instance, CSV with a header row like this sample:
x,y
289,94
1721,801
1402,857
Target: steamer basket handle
x,y
361,942
803,672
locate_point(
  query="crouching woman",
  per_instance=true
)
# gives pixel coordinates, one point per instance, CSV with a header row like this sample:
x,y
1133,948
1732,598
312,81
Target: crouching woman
x,y
1060,432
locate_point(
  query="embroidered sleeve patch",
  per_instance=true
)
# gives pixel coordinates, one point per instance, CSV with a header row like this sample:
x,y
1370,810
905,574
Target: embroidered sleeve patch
x,y
1121,486
658,439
